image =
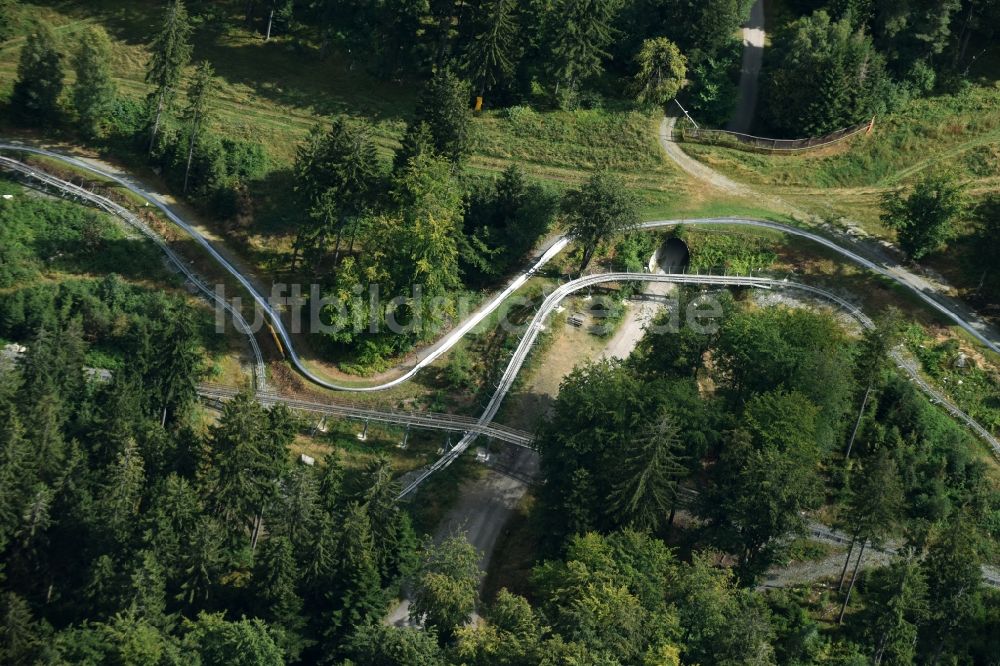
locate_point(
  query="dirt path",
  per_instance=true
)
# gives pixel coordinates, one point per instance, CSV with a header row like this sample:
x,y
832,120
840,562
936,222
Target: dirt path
x,y
484,507
753,55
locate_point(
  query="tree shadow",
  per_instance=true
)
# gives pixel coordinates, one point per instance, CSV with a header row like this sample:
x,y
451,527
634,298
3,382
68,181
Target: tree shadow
x,y
285,71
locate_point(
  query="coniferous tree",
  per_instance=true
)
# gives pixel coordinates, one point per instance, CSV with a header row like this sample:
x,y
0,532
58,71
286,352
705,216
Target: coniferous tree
x,y
7,18
873,355
338,176
175,372
21,636
417,142
197,111
646,498
275,578
445,585
895,606
489,56
148,600
94,92
444,107
171,51
35,99
875,504
579,34
662,72
354,593
954,582
120,500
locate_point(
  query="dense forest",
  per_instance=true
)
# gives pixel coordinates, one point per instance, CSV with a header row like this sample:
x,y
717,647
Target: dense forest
x,y
133,535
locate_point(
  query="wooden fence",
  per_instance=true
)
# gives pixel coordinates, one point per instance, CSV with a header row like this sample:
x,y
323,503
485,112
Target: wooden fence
x,y
748,142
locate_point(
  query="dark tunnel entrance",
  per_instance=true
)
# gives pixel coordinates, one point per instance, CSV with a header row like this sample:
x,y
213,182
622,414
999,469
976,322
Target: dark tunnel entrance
x,y
673,256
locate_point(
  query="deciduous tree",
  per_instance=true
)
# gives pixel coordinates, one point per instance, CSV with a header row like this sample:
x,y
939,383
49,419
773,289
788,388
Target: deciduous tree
x,y
599,212
923,219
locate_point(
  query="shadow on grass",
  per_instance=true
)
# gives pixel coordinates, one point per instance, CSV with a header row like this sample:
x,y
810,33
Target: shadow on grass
x,y
286,70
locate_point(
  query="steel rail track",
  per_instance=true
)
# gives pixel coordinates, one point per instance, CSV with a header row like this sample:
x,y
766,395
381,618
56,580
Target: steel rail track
x,y
427,420
552,301
532,333
105,204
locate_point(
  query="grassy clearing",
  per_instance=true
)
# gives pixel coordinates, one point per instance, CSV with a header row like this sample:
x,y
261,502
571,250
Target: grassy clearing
x,y
961,128
975,387
274,92
47,242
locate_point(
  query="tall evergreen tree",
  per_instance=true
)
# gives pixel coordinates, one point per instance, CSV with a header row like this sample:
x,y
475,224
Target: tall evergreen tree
x,y
196,114
94,91
171,51
339,177
895,606
355,593
873,354
444,107
954,581
662,72
8,9
120,500
875,504
175,372
579,35
445,586
35,99
489,56
275,578
646,498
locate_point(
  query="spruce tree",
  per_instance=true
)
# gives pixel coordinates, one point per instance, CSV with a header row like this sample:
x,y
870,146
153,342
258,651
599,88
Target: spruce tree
x,y
444,106
35,100
646,498
175,371
662,72
196,113
895,606
7,18
171,53
446,585
123,492
489,57
355,592
579,34
275,577
93,91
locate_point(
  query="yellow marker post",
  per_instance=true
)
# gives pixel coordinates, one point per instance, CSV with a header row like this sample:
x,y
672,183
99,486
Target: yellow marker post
x,y
479,104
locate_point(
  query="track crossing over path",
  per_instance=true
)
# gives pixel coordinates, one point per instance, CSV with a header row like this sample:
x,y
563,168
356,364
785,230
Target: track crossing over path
x,y
901,277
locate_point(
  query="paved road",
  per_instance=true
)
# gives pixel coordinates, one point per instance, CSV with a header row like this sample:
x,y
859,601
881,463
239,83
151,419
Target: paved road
x,y
753,56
